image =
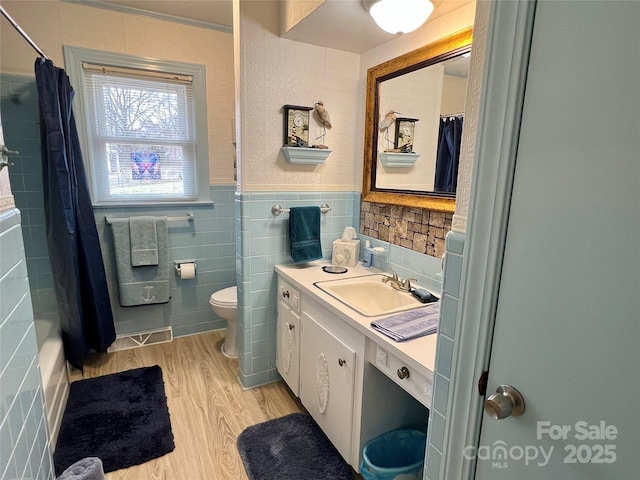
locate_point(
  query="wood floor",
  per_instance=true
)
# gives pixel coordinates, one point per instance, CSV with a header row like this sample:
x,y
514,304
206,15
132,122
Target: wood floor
x,y
208,407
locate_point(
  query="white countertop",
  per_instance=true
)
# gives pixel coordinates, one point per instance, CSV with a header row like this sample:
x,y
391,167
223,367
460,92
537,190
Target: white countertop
x,y
419,353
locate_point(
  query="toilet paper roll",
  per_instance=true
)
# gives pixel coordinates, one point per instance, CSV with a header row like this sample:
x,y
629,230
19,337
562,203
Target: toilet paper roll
x,y
187,270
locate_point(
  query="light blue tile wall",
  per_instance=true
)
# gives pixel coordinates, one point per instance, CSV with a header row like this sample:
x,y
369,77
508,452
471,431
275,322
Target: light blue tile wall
x,y
262,243
24,438
444,353
210,240
19,106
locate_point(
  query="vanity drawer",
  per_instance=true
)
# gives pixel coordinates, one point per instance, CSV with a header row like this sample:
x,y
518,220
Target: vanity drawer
x,y
410,379
288,295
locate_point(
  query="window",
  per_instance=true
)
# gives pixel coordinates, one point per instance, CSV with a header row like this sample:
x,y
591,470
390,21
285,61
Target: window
x,y
144,138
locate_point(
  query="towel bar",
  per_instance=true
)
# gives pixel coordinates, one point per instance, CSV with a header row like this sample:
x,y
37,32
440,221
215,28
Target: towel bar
x,y
188,218
277,209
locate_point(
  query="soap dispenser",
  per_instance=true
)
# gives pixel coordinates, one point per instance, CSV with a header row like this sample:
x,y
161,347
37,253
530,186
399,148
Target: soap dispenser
x,y
367,255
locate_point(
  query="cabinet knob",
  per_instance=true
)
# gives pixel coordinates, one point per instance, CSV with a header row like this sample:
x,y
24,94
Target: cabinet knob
x,y
403,373
341,362
285,293
291,326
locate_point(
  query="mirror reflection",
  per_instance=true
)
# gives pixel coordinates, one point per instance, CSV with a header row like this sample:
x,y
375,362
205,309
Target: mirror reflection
x,y
421,118
413,125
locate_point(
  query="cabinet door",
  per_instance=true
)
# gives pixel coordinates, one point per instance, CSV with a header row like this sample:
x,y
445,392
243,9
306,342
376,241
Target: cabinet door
x,y
327,371
288,346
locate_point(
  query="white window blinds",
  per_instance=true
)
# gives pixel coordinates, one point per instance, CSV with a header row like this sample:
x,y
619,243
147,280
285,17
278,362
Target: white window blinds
x,y
142,134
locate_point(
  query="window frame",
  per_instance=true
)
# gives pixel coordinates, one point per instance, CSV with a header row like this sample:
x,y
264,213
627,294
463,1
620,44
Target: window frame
x,y
74,59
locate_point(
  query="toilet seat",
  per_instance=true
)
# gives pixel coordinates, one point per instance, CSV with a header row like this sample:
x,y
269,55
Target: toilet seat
x,y
227,297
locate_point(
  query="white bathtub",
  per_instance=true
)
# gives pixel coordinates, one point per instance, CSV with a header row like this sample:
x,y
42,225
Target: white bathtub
x,y
53,369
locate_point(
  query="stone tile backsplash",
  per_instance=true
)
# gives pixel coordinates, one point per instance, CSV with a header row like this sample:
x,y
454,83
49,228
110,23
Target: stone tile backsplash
x,y
417,229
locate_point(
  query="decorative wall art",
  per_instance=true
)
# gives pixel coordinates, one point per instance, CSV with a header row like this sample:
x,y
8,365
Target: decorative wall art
x,y
405,131
296,126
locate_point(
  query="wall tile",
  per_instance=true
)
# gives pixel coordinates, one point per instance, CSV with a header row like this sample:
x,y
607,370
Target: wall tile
x,y
449,311
437,428
22,445
441,392
444,355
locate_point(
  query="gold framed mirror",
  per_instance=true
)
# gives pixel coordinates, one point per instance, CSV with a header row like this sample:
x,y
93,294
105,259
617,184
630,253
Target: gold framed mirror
x,y
435,53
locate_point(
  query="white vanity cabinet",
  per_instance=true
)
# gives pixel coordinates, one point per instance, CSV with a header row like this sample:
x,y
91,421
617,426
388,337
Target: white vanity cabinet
x,y
288,335
341,369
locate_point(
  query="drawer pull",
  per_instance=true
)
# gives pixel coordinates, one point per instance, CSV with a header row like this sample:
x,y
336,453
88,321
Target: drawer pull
x,y
403,373
290,326
341,362
285,293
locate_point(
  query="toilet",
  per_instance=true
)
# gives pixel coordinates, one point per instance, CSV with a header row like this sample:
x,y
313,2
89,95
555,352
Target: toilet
x,y
225,304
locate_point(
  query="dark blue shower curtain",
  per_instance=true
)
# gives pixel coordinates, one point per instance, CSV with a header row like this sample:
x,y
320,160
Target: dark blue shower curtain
x,y
448,158
74,248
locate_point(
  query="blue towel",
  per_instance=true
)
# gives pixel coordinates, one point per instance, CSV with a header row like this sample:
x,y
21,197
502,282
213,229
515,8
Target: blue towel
x,y
411,324
146,284
144,241
304,233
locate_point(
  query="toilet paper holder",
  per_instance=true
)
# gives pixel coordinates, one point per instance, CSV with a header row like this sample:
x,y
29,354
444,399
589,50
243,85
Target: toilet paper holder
x,y
178,263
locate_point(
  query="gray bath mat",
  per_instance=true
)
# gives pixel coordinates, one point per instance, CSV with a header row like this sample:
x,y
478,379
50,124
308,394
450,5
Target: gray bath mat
x,y
290,448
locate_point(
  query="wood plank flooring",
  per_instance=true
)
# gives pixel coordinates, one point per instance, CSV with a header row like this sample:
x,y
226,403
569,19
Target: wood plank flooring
x,y
208,407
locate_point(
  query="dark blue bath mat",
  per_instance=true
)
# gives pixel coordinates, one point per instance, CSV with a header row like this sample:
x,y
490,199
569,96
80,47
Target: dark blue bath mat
x,y
290,448
121,418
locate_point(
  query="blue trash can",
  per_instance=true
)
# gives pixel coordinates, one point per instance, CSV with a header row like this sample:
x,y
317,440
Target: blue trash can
x,y
398,454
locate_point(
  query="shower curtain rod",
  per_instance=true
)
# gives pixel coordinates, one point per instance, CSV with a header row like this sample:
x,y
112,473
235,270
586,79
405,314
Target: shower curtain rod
x,y
22,32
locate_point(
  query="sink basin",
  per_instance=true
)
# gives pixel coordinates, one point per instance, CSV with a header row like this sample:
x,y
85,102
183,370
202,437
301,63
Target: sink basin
x,y
368,295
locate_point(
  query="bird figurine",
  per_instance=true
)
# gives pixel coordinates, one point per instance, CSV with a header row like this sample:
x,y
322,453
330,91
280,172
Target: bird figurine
x,y
323,117
386,122
388,119
322,114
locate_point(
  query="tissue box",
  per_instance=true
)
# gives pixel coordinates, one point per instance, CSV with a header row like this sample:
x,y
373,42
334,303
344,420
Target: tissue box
x,y
346,252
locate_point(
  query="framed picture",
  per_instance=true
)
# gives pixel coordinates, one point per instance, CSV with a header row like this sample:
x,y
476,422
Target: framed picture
x,y
296,126
405,131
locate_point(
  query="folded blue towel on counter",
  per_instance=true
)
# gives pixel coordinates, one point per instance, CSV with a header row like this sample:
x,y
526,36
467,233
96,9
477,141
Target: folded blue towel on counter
x,y
144,241
89,468
411,324
304,233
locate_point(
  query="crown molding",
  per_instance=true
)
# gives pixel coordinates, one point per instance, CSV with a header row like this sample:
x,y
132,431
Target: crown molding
x,y
156,15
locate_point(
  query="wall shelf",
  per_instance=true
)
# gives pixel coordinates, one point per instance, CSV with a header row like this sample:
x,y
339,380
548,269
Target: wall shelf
x,y
394,159
305,155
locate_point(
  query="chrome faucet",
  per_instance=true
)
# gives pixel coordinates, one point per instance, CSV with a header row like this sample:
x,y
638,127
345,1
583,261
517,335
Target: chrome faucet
x,y
398,283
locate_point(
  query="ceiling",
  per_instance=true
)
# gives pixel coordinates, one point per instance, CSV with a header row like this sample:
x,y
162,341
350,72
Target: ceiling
x,y
339,24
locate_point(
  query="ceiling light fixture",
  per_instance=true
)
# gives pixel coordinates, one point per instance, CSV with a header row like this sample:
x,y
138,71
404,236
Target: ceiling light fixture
x,y
399,16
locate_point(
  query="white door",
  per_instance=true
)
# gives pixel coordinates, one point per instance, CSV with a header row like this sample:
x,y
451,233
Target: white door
x,y
567,330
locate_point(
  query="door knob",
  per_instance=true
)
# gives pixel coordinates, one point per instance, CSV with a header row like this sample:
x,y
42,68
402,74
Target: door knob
x,y
505,402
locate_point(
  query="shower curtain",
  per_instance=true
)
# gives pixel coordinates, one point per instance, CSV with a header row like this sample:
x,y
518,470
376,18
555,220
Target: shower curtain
x,y
448,156
74,248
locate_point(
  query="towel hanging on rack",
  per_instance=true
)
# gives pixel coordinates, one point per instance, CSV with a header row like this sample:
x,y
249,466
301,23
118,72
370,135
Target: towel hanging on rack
x,y
142,285
304,233
144,241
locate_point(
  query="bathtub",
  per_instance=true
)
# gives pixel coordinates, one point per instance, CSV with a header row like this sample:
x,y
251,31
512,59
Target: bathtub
x,y
53,370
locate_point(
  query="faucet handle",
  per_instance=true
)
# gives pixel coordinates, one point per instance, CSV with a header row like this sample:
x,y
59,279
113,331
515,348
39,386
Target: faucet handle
x,y
406,283
394,274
